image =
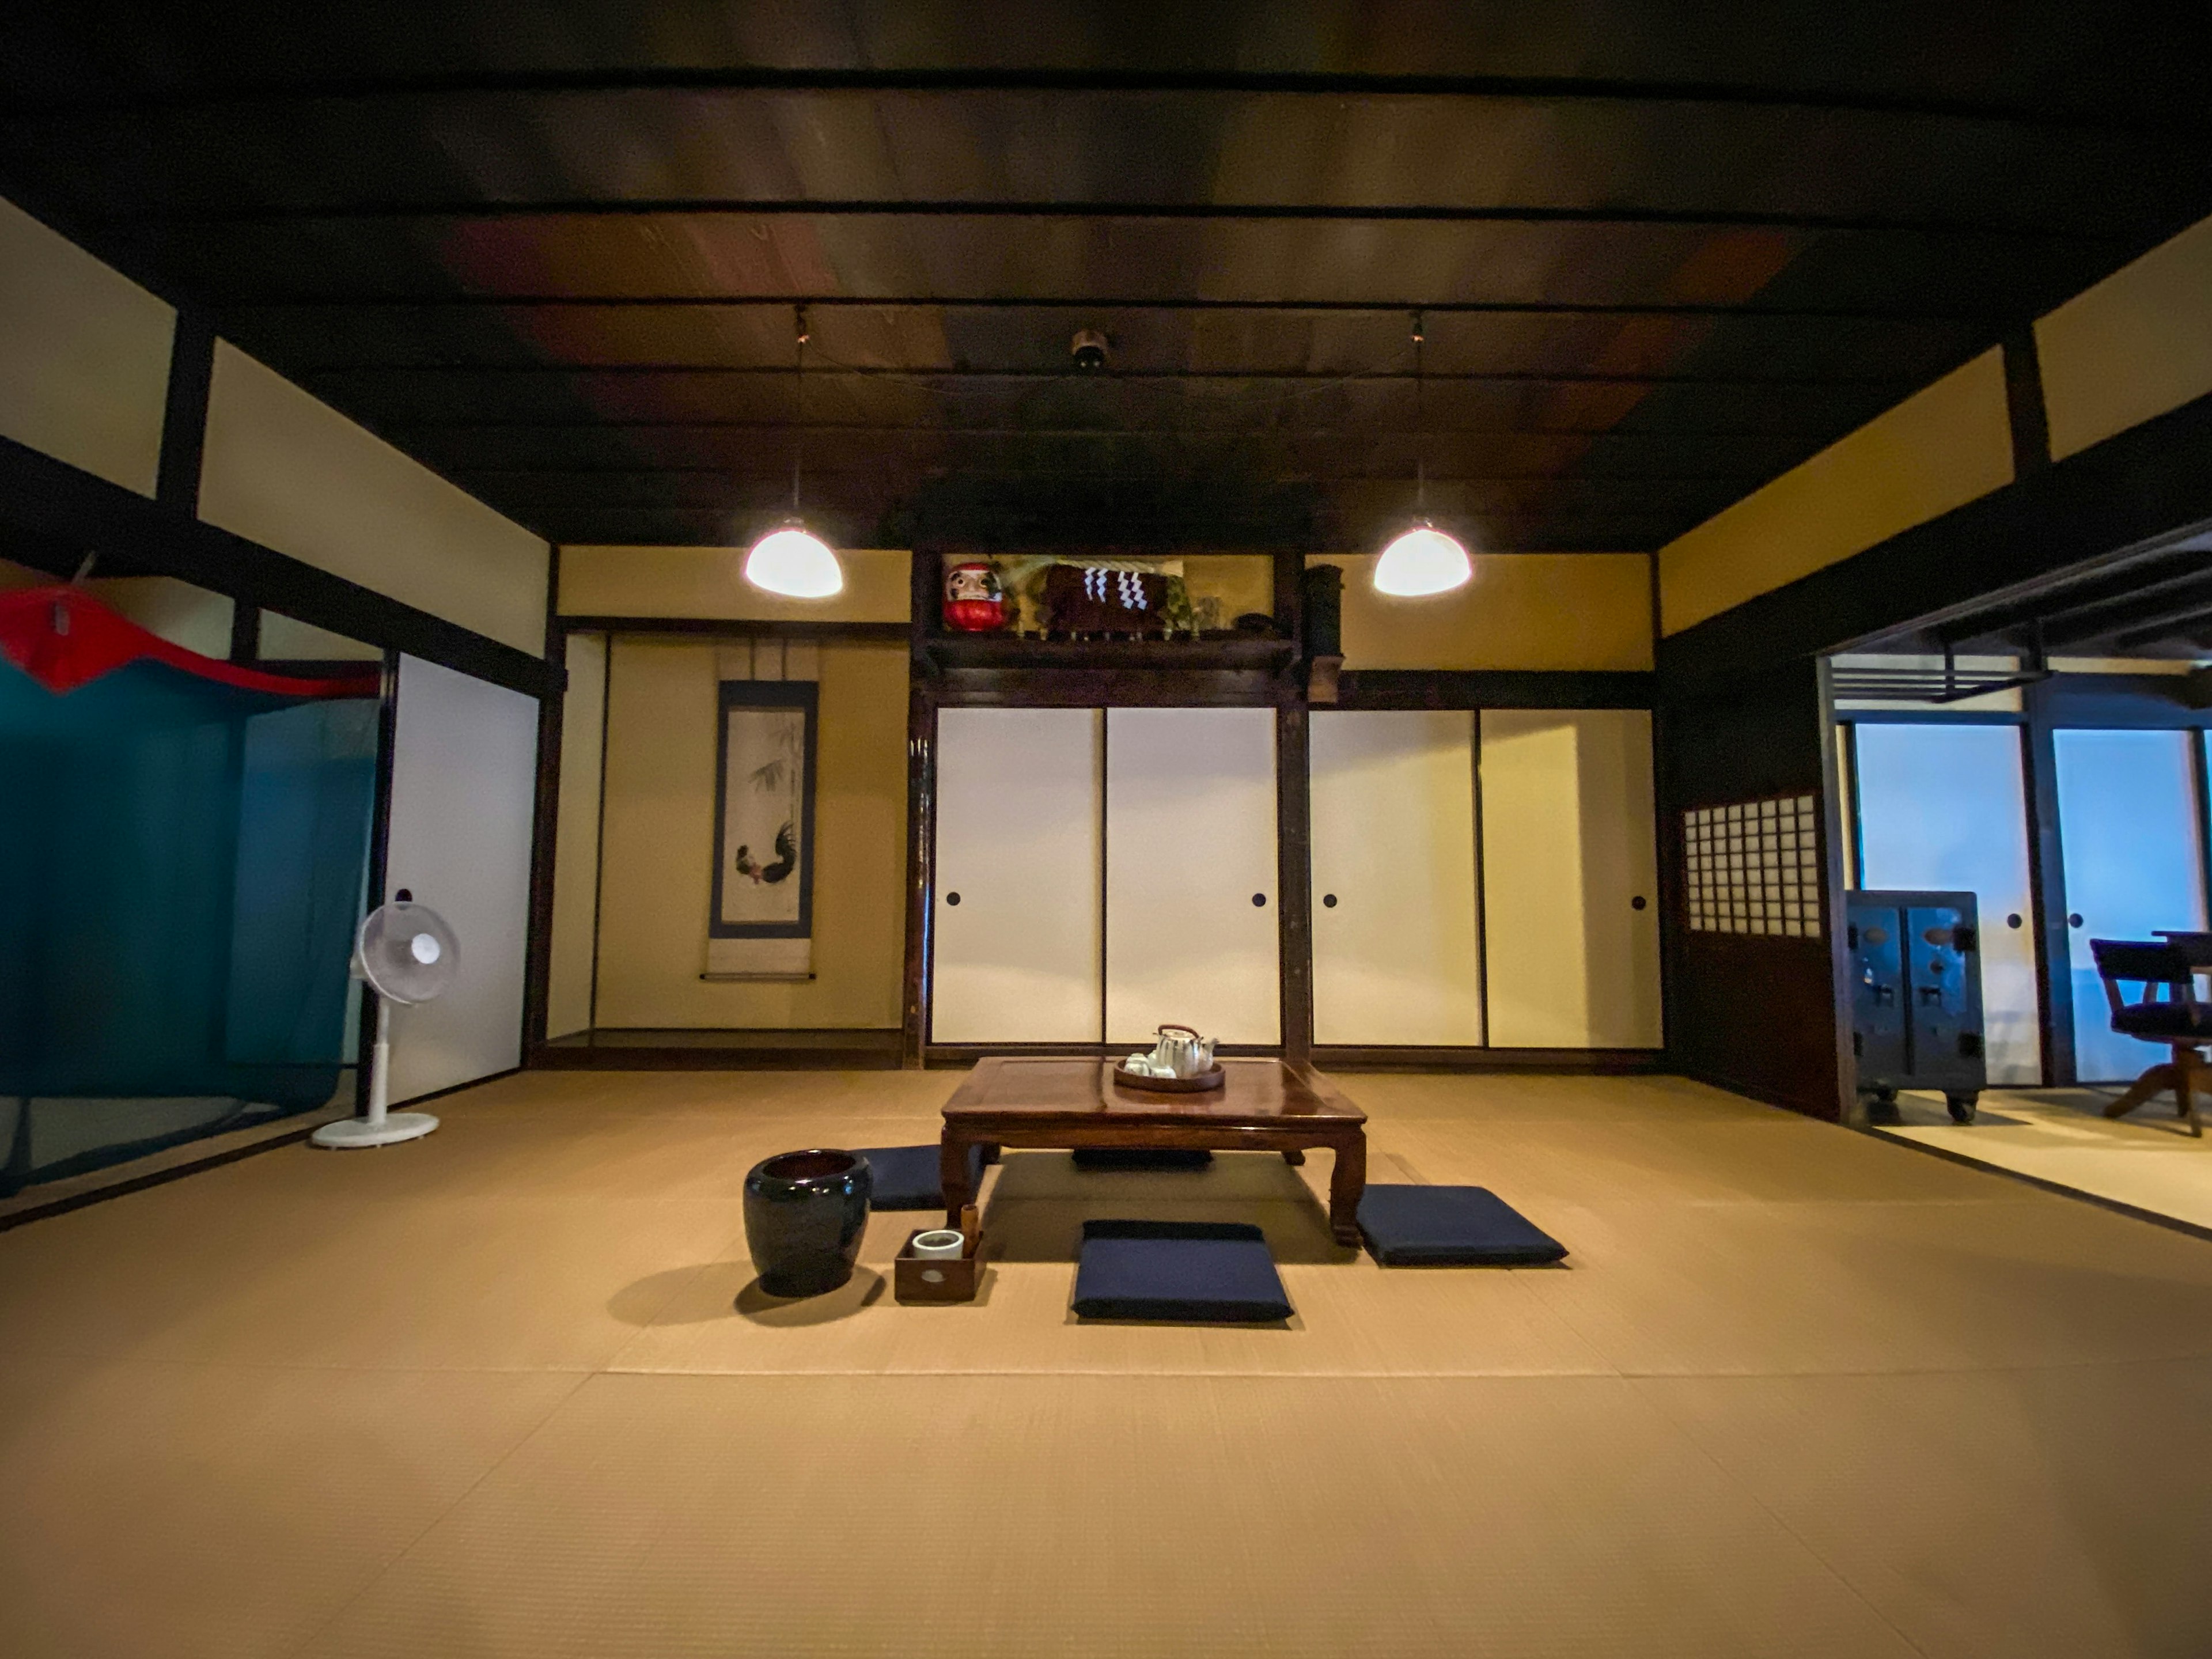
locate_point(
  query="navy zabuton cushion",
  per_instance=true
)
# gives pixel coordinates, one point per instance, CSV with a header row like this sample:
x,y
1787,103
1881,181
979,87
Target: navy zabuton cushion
x,y
1141,1158
1451,1226
907,1178
1197,1272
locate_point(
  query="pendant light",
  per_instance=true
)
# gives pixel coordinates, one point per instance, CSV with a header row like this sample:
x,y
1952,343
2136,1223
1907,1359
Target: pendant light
x,y
792,560
1422,559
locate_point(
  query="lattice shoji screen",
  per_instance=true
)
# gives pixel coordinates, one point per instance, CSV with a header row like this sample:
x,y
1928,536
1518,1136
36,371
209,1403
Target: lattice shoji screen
x,y
1755,867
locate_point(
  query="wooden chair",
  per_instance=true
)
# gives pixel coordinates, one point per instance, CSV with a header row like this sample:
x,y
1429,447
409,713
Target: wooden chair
x,y
2177,1019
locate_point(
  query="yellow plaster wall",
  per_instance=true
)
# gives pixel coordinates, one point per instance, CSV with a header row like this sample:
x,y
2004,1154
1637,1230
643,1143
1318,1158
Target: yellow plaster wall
x,y
1939,449
84,355
704,582
657,849
1523,610
2134,346
289,472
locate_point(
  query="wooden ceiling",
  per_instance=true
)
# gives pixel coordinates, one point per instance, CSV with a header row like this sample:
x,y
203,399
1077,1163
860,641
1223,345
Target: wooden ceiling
x,y
554,249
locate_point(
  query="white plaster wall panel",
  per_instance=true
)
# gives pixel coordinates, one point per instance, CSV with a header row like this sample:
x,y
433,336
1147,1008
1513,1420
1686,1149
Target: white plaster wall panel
x,y
464,785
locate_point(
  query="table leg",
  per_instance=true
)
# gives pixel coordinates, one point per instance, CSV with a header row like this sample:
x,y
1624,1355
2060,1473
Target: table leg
x,y
1346,1183
952,1172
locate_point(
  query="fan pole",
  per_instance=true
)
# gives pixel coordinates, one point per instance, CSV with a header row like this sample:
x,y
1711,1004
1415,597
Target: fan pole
x,y
379,1066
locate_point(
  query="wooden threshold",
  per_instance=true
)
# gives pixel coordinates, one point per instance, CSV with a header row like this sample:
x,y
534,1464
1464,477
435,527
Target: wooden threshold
x,y
731,1049
1394,1058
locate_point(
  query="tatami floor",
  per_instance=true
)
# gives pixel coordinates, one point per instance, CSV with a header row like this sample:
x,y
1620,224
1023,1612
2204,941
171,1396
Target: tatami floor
x,y
2148,1159
1798,1391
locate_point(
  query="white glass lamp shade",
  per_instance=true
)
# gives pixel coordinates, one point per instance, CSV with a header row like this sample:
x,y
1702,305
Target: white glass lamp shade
x,y
1421,562
796,563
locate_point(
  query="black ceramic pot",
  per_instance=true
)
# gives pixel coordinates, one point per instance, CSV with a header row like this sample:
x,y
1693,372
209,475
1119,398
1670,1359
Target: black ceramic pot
x,y
805,1213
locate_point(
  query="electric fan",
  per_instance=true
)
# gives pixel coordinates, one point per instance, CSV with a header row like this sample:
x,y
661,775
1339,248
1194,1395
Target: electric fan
x,y
407,954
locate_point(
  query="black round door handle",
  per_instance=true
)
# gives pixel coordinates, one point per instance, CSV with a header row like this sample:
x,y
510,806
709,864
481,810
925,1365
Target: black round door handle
x,y
1260,901
2074,920
1328,900
1636,903
2012,920
953,898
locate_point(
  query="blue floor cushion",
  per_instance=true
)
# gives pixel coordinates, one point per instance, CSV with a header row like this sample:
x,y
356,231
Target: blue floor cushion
x,y
1451,1227
907,1177
1142,1158
1192,1272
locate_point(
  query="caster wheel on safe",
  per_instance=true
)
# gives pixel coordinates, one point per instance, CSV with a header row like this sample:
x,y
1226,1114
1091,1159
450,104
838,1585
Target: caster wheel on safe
x,y
1881,1107
1962,1108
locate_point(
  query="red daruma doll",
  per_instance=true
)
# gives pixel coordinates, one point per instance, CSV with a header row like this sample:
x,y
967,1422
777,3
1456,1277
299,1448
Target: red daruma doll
x,y
975,603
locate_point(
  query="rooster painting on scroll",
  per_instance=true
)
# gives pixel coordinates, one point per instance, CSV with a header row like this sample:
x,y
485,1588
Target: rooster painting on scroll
x,y
761,921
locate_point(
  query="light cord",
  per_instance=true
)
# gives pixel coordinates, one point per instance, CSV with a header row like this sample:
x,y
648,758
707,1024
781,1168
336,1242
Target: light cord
x,y
1420,423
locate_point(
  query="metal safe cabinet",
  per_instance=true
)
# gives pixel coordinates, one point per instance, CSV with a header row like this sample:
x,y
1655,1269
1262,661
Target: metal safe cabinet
x,y
1917,998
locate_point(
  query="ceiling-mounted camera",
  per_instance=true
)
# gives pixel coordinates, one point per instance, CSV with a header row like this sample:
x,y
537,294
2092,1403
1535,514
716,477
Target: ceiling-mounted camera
x,y
1089,349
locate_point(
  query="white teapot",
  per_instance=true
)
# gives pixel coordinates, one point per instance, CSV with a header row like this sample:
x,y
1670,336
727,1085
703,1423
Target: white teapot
x,y
1181,1052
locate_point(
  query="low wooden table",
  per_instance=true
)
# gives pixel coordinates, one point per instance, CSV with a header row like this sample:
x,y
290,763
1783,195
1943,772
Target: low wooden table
x,y
1264,1105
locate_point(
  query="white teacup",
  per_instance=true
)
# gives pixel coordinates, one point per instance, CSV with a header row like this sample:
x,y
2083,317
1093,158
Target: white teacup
x,y
943,1243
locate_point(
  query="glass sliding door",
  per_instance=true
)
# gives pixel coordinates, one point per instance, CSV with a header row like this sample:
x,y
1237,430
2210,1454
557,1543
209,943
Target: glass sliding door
x,y
1942,806
2130,825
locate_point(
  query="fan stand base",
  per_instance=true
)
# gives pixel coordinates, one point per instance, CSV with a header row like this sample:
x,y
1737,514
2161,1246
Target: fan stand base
x,y
360,1131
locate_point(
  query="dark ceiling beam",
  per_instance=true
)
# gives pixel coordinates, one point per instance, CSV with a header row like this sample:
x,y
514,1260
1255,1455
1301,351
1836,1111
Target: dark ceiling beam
x,y
1905,313
1110,377
2185,624
587,423
1544,517
2096,607
866,470
170,212
2185,123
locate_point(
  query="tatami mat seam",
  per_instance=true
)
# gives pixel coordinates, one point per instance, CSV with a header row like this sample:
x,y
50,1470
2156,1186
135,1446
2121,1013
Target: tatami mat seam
x,y
399,1551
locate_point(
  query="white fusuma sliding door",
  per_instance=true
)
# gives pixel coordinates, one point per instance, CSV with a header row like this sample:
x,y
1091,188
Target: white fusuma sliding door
x,y
1943,807
1395,942
1015,935
2128,828
1191,916
1569,879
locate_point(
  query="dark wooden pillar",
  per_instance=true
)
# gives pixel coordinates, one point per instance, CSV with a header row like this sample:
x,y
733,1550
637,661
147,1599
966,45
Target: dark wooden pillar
x,y
537,960
1755,1013
2046,875
1294,879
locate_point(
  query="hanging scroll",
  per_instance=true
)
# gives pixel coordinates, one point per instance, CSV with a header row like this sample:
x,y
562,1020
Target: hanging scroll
x,y
761,919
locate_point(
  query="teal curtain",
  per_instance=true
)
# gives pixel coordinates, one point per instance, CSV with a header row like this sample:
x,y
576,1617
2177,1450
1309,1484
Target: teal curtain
x,y
181,867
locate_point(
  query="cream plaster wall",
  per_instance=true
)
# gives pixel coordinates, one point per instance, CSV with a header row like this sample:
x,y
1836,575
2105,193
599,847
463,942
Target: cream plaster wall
x,y
283,637
84,355
288,471
704,582
657,851
1939,449
2134,346
1523,610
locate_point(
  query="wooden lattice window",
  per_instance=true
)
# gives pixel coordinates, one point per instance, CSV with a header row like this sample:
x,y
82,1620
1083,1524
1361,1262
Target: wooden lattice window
x,y
1754,867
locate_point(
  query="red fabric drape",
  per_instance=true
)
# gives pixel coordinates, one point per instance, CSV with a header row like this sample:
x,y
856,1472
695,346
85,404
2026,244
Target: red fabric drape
x,y
62,638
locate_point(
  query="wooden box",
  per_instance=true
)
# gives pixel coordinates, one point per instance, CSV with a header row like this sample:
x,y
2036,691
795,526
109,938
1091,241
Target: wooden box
x,y
940,1278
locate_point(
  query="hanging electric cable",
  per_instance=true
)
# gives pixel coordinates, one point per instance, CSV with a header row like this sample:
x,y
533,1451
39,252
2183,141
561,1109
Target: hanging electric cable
x,y
792,560
1421,560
